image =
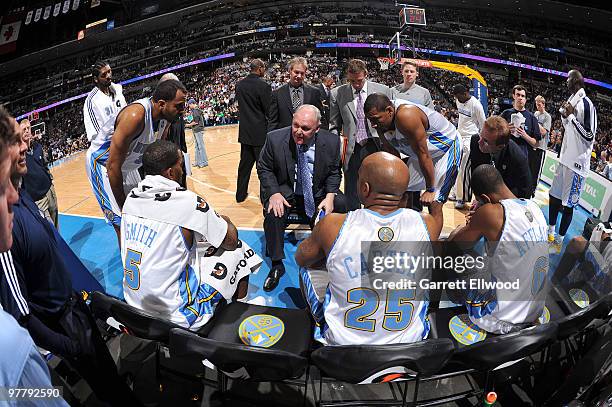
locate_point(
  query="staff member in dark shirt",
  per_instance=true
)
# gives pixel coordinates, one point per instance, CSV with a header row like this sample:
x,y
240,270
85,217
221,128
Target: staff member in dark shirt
x,y
36,288
494,146
38,181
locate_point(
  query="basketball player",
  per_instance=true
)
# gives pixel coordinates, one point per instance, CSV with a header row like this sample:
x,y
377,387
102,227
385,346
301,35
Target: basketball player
x,y
338,238
429,142
119,145
579,120
519,229
158,242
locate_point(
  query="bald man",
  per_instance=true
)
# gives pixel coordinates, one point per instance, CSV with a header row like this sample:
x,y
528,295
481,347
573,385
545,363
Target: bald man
x,y
337,240
579,119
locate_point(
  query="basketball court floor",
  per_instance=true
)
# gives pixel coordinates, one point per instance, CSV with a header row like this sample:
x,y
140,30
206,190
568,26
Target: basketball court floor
x,y
95,243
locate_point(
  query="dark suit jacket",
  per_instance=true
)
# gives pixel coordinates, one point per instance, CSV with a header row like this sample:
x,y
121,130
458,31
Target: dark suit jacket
x,y
176,134
512,165
325,104
281,108
253,95
276,165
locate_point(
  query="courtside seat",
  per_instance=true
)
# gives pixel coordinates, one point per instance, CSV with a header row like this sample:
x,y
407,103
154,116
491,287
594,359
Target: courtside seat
x,y
251,342
369,364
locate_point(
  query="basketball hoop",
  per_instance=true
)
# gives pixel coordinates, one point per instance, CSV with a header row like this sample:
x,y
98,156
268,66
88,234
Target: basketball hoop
x,y
384,62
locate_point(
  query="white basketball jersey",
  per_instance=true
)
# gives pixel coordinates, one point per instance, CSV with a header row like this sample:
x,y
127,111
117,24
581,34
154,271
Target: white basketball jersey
x,y
522,253
355,314
100,145
100,107
579,135
162,274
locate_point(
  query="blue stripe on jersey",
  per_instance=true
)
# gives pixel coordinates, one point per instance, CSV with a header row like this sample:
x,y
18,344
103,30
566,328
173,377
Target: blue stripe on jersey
x,y
452,169
320,329
188,288
440,141
424,319
316,307
479,310
587,114
101,195
207,299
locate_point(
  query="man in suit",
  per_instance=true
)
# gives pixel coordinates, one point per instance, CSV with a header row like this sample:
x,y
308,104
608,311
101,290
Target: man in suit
x,y
290,96
299,170
346,115
325,88
253,95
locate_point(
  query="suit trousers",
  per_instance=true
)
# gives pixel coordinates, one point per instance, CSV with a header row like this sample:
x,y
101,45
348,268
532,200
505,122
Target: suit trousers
x,y
248,156
274,226
350,176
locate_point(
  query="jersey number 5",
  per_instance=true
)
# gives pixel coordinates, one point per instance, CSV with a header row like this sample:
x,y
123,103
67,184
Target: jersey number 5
x,y
398,309
131,269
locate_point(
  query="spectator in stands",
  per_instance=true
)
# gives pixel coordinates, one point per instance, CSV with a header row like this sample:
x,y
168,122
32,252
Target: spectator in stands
x,y
545,121
409,90
525,128
471,119
494,146
290,96
253,95
602,162
42,298
39,181
312,154
197,124
325,88
346,116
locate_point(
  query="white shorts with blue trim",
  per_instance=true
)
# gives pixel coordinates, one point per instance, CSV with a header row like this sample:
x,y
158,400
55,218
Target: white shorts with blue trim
x,y
100,185
314,288
567,186
446,168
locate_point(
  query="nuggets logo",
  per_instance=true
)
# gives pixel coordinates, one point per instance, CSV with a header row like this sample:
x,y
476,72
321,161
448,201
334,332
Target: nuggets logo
x,y
202,205
385,234
464,331
580,297
540,271
545,317
220,271
261,330
210,251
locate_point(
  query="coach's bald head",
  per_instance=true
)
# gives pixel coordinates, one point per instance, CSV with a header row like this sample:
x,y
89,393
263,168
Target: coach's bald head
x,y
383,179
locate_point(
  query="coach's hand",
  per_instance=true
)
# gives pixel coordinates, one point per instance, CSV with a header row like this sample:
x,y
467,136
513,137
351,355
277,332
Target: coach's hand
x,y
427,198
327,204
277,204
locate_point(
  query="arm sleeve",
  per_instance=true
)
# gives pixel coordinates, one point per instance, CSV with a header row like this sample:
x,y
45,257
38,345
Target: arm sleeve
x,y
479,115
332,183
335,120
427,100
12,288
273,112
265,170
90,120
586,127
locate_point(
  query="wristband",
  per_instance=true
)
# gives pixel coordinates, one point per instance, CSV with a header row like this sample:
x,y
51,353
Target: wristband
x,y
430,189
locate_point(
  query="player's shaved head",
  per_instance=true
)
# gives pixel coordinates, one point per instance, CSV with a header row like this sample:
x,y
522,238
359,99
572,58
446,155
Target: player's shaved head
x,y
488,184
383,179
575,80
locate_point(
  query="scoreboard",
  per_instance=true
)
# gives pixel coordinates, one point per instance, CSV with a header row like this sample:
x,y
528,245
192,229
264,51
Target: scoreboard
x,y
412,16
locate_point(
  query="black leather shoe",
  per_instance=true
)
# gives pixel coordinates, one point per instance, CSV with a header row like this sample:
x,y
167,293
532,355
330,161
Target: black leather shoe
x,y
241,198
273,278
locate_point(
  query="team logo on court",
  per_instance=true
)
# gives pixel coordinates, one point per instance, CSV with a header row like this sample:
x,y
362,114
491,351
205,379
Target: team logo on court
x,y
580,297
220,271
464,331
261,330
545,317
385,234
529,215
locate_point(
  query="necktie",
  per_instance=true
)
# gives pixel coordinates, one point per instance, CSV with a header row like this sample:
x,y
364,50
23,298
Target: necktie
x,y
361,136
306,181
295,99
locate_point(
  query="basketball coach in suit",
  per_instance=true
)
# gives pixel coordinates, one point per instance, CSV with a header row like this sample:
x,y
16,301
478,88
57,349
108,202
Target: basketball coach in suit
x,y
347,115
290,96
299,171
253,95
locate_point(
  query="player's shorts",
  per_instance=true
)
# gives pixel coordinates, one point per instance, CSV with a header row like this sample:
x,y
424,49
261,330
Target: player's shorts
x,y
100,185
567,186
446,168
313,284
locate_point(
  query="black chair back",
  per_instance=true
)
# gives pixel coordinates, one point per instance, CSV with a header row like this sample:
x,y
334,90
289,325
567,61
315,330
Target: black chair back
x,y
137,322
374,363
497,350
237,360
577,321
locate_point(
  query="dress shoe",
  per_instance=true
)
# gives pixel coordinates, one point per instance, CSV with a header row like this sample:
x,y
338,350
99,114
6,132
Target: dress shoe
x,y
273,278
240,199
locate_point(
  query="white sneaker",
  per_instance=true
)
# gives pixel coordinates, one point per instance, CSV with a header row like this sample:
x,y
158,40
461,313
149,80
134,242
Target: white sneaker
x,y
452,197
459,205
